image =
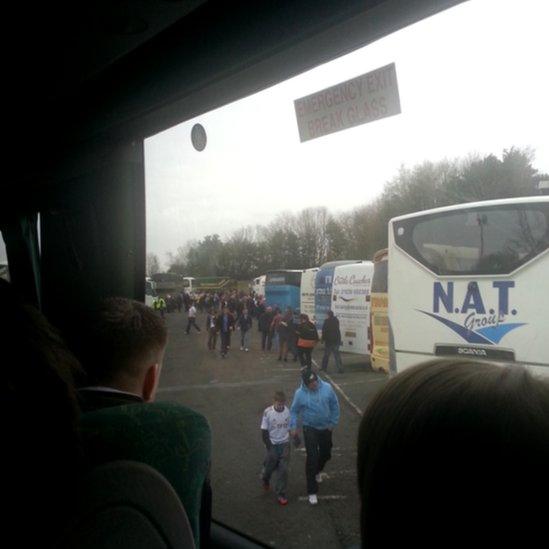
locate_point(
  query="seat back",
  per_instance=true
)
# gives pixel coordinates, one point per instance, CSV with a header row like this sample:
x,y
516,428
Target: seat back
x,y
173,439
127,504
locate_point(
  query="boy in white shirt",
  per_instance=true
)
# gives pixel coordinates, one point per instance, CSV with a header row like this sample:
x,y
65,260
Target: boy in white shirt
x,y
275,431
192,319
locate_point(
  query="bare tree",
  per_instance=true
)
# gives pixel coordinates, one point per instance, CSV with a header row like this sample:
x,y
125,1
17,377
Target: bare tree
x,y
313,236
153,265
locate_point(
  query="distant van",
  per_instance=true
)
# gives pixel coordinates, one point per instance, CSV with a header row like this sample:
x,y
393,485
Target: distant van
x,y
258,285
188,284
379,323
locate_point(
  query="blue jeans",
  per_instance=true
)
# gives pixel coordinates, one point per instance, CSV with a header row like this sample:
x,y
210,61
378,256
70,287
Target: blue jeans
x,y
330,348
277,459
245,338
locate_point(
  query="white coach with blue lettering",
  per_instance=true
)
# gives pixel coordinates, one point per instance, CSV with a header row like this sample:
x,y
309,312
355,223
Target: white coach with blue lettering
x,y
471,281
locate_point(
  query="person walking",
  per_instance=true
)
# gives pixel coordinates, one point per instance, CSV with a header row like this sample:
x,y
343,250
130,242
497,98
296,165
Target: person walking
x,y
284,328
275,323
264,325
192,319
186,301
225,325
331,337
244,323
211,328
307,338
292,338
259,307
275,432
316,404
179,302
159,305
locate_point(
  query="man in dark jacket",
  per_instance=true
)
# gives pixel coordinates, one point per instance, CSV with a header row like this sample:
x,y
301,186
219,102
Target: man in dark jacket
x,y
307,338
331,337
123,353
225,324
244,323
264,325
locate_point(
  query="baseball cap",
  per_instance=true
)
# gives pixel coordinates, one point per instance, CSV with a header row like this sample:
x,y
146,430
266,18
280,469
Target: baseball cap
x,y
307,375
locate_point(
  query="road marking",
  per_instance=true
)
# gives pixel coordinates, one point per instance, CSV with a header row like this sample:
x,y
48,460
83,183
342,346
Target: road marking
x,y
369,380
341,392
306,498
221,385
334,449
343,472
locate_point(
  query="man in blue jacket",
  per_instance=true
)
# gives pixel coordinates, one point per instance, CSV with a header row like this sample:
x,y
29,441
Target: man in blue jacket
x,y
317,405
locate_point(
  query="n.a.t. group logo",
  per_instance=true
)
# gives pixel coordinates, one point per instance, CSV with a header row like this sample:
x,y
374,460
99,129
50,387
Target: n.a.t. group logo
x,y
479,325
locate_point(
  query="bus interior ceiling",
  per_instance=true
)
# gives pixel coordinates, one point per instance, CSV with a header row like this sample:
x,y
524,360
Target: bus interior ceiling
x,y
87,87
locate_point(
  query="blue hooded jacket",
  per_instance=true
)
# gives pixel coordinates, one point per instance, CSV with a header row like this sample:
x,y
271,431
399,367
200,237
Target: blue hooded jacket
x,y
318,409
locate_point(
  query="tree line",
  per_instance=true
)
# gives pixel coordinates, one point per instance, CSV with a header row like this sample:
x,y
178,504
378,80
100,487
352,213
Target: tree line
x,y
314,235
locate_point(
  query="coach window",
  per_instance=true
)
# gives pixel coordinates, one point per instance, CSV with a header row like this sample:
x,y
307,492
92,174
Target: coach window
x,y
495,240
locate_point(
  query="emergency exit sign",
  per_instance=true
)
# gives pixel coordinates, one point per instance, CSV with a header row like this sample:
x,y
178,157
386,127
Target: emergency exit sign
x,y
363,99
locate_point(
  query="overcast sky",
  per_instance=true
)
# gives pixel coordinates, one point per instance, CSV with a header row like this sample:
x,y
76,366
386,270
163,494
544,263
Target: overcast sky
x,y
472,79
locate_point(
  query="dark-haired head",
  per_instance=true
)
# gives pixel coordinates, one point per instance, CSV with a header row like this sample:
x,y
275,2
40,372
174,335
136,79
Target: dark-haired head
x,y
458,448
39,366
124,339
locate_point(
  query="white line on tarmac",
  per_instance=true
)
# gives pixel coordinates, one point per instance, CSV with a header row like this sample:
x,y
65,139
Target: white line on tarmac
x,y
306,498
341,392
343,472
369,380
334,448
219,385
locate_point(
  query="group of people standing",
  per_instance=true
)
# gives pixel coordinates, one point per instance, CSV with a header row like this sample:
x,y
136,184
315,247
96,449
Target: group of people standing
x,y
278,330
300,338
205,301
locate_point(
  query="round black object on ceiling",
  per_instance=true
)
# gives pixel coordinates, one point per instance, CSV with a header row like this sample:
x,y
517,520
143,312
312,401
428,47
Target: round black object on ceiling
x,y
198,137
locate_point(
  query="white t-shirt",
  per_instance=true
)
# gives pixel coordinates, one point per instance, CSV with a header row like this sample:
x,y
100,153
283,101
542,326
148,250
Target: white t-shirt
x,y
277,424
192,312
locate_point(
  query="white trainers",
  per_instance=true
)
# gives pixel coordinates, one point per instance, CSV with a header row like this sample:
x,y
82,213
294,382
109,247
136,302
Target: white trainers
x,y
246,349
313,500
241,348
